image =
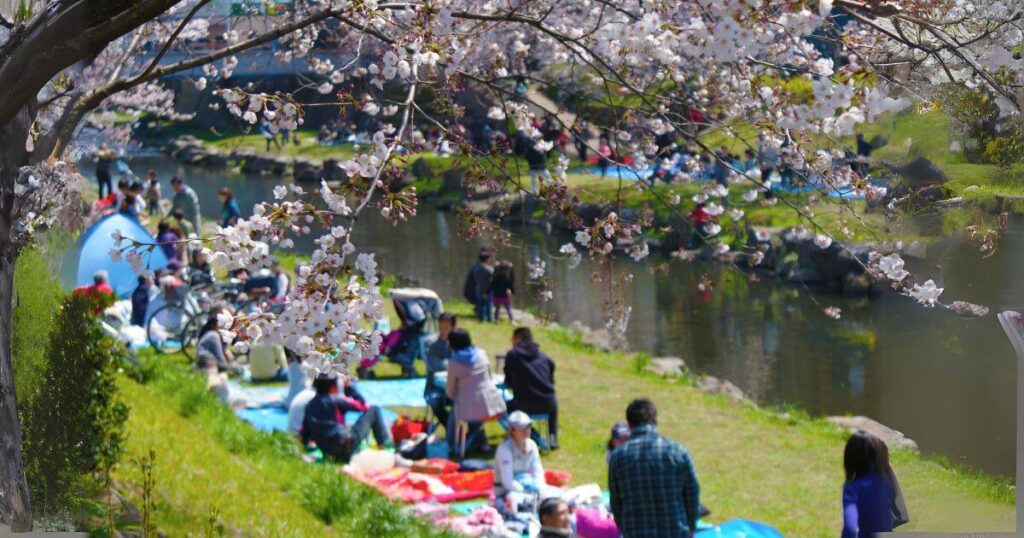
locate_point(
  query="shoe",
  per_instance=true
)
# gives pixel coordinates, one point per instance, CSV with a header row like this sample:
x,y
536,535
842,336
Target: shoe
x,y
552,442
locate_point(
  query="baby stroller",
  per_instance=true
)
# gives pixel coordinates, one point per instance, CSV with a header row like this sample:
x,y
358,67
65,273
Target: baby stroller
x,y
418,310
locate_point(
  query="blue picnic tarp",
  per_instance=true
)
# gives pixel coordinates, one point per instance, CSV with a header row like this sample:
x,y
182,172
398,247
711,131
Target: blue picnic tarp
x,y
275,419
94,253
740,528
266,412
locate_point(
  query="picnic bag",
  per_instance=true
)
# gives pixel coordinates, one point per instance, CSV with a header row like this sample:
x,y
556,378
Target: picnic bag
x,y
407,427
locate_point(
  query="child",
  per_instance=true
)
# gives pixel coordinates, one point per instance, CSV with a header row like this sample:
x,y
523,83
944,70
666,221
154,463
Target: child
x,y
503,287
152,194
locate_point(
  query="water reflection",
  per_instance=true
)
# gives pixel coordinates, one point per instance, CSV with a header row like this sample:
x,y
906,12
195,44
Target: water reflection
x,y
945,381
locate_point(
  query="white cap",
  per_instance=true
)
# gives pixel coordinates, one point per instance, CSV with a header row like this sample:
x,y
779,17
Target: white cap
x,y
519,420
100,276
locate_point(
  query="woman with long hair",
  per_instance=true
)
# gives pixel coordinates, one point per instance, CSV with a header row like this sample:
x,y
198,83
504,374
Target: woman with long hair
x,y
872,501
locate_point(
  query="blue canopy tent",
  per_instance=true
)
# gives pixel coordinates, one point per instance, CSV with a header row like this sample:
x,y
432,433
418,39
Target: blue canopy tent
x,y
94,253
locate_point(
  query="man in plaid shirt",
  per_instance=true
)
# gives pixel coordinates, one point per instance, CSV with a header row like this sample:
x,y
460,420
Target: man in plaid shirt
x,y
653,485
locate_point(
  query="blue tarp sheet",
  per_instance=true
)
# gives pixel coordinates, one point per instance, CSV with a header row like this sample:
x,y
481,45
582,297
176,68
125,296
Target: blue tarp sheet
x,y
740,528
385,393
266,414
94,253
275,419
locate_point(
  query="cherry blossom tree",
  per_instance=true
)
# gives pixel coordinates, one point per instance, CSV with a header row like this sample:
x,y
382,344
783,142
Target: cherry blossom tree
x,y
652,62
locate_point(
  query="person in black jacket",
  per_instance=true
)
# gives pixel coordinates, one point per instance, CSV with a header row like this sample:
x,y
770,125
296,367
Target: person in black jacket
x,y
537,160
531,376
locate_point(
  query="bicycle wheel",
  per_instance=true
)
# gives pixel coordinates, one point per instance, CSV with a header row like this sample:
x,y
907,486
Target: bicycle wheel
x,y
190,334
165,328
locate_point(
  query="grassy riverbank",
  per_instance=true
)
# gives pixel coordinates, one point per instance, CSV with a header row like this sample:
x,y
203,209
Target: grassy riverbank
x,y
210,465
784,469
781,468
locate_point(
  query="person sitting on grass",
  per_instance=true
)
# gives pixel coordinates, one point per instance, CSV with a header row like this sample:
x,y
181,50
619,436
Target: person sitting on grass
x,y
517,466
554,519
470,388
531,376
324,420
217,383
211,345
872,500
267,363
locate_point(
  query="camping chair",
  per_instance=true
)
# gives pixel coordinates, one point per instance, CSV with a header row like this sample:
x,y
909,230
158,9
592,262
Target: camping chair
x,y
463,438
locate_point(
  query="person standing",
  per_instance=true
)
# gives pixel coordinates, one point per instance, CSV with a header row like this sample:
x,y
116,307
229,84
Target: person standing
x,y
168,241
652,481
531,376
152,194
872,499
140,298
186,199
604,155
229,211
537,160
502,289
478,285
581,135
104,160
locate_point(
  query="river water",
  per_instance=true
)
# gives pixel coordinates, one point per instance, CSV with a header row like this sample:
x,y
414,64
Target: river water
x,y
945,381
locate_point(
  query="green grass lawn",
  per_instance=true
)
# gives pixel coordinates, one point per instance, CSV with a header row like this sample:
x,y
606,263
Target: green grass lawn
x,y
760,464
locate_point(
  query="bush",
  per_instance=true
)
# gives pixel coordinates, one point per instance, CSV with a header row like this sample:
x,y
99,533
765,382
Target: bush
x,y
974,113
1007,149
37,295
73,423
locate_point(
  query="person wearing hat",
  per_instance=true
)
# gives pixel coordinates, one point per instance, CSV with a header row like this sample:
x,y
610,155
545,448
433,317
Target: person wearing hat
x,y
324,420
620,434
517,466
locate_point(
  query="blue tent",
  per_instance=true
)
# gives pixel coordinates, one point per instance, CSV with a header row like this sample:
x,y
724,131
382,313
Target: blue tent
x,y
94,253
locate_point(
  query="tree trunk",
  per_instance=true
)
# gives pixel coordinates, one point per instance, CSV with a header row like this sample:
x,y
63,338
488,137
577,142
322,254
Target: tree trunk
x,y
15,505
15,508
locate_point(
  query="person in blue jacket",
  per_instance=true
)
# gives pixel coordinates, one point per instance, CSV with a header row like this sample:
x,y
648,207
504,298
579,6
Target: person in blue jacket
x,y
872,501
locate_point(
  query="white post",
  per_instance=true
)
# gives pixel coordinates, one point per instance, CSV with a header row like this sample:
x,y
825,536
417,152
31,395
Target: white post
x,y
1013,326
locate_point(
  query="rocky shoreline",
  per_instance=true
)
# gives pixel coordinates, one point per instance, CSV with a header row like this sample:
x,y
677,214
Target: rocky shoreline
x,y
789,254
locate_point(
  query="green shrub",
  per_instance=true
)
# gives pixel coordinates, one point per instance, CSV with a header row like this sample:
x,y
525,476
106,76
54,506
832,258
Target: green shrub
x,y
1007,149
73,423
37,295
974,113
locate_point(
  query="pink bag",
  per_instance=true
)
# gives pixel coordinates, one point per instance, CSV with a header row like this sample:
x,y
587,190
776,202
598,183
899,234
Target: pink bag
x,y
594,523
